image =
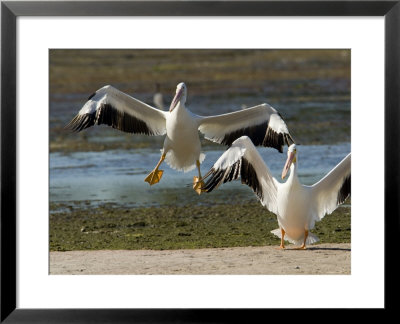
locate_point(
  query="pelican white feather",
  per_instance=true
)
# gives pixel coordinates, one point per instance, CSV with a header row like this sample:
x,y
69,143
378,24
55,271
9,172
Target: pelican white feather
x,y
261,123
115,108
297,206
182,147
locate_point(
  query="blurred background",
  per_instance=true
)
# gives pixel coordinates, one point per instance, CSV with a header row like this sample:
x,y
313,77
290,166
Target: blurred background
x,y
310,89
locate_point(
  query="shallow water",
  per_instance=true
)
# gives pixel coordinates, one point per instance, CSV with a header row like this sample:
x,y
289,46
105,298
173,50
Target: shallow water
x,y
117,176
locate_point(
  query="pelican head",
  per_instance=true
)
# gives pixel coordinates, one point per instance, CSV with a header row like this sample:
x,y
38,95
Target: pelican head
x,y
292,152
180,96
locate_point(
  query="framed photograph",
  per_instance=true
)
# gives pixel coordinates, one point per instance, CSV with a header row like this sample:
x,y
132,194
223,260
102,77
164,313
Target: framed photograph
x,y
338,54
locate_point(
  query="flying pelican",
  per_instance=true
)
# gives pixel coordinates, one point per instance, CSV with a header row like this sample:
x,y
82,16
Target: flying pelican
x,y
297,206
182,147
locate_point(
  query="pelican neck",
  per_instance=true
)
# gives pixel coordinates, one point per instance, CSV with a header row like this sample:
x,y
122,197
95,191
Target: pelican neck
x,y
293,172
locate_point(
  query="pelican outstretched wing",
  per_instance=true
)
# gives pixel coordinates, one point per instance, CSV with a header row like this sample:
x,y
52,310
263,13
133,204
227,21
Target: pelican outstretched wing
x,y
114,108
242,160
333,189
262,124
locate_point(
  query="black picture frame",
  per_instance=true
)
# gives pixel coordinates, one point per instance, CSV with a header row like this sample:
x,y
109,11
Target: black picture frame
x,y
11,10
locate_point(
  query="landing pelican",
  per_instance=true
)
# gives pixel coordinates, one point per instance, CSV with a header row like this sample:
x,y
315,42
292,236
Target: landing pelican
x,y
297,206
182,147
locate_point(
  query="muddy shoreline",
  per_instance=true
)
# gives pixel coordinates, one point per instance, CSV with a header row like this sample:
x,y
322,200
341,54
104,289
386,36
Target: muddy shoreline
x,y
113,227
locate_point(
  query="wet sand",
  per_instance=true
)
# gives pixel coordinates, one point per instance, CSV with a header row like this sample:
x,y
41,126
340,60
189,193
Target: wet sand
x,y
317,259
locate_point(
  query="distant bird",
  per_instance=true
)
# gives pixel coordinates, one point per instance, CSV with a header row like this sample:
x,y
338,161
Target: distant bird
x,y
182,147
158,98
297,206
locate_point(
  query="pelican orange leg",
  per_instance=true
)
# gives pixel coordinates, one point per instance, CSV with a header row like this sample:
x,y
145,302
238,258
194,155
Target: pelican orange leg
x,y
198,183
155,175
303,246
282,246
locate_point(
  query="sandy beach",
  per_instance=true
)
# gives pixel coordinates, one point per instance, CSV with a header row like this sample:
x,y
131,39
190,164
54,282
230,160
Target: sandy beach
x,y
317,259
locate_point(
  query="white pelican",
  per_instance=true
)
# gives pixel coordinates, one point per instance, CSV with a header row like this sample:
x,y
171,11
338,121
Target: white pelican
x,y
182,147
158,98
297,206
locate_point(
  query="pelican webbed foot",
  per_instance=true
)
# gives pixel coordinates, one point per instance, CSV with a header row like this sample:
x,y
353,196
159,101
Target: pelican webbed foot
x,y
154,177
198,184
303,246
282,246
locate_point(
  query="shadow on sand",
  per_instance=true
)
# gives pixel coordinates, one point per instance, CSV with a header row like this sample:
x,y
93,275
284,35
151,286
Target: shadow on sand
x,y
316,248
